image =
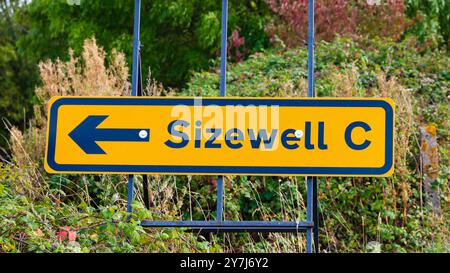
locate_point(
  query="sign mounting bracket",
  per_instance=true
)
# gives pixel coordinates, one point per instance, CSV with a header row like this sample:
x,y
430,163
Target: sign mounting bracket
x,y
310,226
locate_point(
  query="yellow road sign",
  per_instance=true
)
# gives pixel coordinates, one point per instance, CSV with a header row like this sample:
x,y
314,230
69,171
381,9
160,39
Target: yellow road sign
x,y
253,136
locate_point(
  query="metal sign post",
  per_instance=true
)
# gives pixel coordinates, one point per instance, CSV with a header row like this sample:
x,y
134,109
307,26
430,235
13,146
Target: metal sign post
x,y
310,226
312,213
223,91
136,78
136,90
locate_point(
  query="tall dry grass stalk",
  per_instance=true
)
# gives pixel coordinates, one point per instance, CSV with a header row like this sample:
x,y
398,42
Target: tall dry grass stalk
x,y
347,86
405,125
405,128
85,76
154,88
27,179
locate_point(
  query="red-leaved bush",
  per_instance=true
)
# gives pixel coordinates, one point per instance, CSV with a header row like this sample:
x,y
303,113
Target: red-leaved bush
x,y
236,50
66,233
332,17
386,19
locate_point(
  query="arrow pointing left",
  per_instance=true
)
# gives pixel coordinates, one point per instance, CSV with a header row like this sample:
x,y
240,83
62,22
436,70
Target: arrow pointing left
x,y
86,135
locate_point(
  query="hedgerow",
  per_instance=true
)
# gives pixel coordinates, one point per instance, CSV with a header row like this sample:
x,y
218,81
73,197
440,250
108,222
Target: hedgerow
x,y
86,213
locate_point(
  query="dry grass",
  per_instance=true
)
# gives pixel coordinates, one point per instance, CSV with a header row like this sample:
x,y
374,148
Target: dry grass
x,y
85,76
154,88
347,86
346,83
405,128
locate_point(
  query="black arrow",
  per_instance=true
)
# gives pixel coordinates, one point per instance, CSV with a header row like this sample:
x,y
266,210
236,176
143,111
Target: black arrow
x,y
86,134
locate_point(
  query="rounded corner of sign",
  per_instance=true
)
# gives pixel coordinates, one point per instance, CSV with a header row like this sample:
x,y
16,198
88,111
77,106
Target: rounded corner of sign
x,y
50,166
390,172
390,101
54,103
386,171
388,104
48,169
54,99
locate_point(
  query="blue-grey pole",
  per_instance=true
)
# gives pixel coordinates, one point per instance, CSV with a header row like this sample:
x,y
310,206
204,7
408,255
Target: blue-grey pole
x,y
134,83
223,90
311,93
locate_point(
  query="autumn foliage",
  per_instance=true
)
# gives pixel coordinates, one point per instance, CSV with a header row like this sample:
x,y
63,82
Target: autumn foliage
x,y
337,17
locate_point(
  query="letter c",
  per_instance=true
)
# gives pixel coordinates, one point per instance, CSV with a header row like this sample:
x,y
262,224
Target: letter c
x,y
348,135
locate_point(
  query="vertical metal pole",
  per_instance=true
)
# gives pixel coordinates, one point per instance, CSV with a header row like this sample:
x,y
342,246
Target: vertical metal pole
x,y
310,181
309,212
316,215
139,94
134,83
144,177
223,90
136,45
311,89
130,192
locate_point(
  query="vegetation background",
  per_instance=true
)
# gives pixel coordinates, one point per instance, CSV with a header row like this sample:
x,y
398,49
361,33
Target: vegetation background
x,y
376,48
